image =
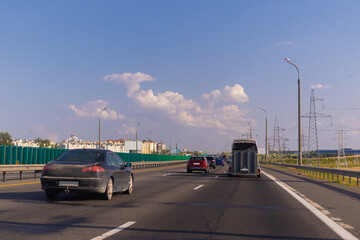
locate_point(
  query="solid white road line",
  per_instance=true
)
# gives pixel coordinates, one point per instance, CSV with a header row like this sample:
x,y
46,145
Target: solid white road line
x,y
344,234
198,187
114,231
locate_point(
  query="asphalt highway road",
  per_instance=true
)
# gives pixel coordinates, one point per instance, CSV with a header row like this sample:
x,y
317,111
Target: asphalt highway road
x,y
169,203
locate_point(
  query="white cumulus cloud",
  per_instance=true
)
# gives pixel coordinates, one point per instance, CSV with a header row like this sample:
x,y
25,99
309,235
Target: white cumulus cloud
x,y
168,101
92,110
228,94
188,112
131,80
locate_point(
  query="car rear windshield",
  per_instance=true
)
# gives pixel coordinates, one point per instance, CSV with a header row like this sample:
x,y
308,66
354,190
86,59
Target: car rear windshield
x,y
244,146
209,158
81,156
197,158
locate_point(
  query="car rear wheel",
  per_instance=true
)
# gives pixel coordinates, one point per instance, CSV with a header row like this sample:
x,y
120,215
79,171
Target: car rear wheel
x,y
52,195
109,190
131,186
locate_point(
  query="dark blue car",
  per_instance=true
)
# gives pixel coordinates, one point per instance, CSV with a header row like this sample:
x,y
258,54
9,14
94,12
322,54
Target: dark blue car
x,y
220,161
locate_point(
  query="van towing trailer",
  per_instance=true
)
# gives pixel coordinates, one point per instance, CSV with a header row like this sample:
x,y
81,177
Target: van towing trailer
x,y
244,158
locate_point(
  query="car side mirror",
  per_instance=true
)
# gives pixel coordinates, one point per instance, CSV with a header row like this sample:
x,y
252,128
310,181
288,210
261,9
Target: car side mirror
x,y
128,164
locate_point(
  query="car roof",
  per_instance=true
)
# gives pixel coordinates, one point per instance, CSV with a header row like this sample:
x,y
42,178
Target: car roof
x,y
89,150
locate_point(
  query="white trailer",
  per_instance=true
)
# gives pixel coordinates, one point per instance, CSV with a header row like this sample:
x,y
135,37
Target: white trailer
x,y
244,158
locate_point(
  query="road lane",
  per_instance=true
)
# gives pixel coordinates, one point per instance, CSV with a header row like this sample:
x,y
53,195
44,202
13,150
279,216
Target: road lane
x,y
341,203
230,208
164,206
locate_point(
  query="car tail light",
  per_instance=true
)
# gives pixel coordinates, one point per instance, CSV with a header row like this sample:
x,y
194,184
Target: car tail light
x,y
94,169
48,167
258,170
229,169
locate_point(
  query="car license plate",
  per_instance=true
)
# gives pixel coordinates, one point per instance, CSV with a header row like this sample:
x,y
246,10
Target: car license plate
x,y
196,163
68,184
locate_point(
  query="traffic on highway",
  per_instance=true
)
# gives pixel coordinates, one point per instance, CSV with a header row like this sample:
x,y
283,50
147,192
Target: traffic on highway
x,y
171,203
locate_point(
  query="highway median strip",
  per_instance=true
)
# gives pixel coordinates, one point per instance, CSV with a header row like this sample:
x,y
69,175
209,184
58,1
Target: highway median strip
x,y
18,184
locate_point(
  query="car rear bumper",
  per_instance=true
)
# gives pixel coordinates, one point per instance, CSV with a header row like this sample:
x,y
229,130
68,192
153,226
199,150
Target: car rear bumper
x,y
197,168
91,185
243,174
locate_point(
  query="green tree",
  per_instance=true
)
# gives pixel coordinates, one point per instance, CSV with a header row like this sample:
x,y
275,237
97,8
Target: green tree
x,y
43,143
5,138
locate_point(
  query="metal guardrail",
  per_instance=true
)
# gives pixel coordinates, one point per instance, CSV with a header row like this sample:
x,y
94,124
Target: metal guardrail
x,y
328,171
37,168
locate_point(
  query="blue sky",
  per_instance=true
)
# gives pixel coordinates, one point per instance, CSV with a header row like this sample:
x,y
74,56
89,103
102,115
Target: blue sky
x,y
190,71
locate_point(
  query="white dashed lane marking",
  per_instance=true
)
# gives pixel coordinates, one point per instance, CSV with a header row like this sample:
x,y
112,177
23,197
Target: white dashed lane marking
x,y
198,187
114,231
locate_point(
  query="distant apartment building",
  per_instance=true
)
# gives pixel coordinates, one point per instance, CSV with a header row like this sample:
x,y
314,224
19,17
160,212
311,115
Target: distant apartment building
x,y
130,146
25,143
148,147
29,143
120,145
73,142
161,147
114,145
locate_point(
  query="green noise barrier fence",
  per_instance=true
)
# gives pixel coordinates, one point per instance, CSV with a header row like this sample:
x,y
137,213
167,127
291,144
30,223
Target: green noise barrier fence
x,y
34,155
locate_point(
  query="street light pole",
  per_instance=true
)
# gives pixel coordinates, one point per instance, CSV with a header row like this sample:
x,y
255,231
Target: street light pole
x,y
100,127
137,137
299,112
266,134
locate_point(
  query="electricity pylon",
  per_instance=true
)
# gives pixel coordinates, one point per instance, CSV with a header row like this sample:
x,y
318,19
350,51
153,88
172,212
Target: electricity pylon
x,y
341,151
313,143
276,145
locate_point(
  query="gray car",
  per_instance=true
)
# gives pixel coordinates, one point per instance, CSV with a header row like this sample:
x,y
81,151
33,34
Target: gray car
x,y
87,170
211,161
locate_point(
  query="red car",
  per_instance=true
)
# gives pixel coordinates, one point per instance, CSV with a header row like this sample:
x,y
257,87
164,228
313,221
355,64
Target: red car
x,y
198,163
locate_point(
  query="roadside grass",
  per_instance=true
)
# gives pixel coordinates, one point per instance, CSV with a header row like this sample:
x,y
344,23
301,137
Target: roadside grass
x,y
334,178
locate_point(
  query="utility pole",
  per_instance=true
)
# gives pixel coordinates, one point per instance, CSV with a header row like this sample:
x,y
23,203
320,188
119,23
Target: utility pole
x,y
100,127
137,137
266,133
299,112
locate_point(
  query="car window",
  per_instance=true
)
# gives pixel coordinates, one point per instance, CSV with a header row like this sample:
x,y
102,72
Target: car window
x,y
119,160
111,159
81,156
